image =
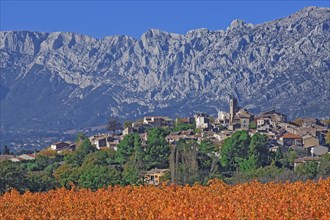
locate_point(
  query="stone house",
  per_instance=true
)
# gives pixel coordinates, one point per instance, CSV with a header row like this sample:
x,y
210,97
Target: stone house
x,y
105,141
316,150
291,139
128,130
309,141
99,141
310,122
59,146
28,156
262,122
244,122
275,117
158,121
113,141
319,150
202,121
223,118
174,137
245,118
24,157
154,176
154,121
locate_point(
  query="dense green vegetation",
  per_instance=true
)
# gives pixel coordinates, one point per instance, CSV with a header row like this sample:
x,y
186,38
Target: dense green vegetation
x,y
191,162
238,159
87,167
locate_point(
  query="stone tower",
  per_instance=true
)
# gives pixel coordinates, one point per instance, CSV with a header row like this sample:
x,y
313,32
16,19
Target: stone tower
x,y
233,108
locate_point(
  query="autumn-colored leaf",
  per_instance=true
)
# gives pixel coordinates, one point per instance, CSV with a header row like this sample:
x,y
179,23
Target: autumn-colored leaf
x,y
217,200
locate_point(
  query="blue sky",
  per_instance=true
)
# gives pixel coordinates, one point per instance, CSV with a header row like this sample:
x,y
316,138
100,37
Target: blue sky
x,y
106,18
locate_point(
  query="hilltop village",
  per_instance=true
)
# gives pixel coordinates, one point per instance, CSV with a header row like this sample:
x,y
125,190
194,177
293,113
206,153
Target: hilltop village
x,y
306,135
191,149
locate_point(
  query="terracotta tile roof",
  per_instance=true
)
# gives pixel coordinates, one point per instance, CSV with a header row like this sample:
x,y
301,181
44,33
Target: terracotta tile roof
x,y
292,136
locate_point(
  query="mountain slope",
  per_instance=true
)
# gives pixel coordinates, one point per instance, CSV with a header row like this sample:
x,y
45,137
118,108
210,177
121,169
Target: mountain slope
x,y
67,80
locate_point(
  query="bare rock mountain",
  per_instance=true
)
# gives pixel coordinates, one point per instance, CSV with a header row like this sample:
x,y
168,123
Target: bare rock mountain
x,y
67,80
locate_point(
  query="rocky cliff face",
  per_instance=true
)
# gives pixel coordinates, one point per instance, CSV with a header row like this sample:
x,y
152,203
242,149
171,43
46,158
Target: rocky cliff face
x,y
67,80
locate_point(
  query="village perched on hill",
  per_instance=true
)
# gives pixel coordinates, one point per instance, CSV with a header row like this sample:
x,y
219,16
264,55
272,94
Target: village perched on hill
x,y
265,139
306,135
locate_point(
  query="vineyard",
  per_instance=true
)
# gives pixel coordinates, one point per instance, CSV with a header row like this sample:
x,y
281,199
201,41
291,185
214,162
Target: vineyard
x,y
309,200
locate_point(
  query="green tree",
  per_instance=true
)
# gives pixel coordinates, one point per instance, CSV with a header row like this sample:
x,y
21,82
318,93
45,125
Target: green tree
x,y
113,124
290,156
80,138
234,150
265,174
39,164
183,162
277,158
42,162
96,158
49,170
286,159
6,150
40,182
85,148
66,174
125,148
157,151
94,177
76,158
324,167
206,152
131,173
278,154
111,156
12,176
309,168
208,161
32,166
249,164
258,149
139,152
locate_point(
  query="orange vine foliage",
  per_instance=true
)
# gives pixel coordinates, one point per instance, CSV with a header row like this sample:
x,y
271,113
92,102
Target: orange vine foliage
x,y
310,200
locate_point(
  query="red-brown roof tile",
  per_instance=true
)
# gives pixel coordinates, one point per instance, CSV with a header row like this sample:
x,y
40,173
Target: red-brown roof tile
x,y
291,136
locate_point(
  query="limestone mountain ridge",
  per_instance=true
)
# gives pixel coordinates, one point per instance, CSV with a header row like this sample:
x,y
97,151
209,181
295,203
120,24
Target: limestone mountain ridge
x,y
66,80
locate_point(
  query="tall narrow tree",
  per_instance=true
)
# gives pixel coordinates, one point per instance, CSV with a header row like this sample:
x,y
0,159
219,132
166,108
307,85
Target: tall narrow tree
x,y
113,124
